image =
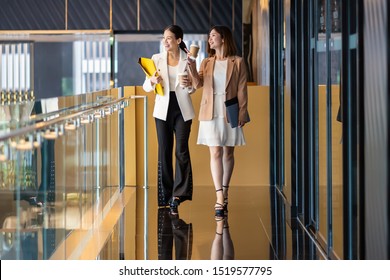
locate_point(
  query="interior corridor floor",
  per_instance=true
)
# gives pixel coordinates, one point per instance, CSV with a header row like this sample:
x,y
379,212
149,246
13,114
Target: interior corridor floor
x,y
255,228
118,226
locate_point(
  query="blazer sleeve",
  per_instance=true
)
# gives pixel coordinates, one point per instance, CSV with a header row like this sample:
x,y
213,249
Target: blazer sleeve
x,y
242,92
197,77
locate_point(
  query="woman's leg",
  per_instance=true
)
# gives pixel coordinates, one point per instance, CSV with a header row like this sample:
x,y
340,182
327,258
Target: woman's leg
x,y
182,186
228,166
164,168
216,166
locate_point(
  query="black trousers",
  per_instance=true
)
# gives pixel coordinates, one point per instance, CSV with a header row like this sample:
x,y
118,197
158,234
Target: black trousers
x,y
174,128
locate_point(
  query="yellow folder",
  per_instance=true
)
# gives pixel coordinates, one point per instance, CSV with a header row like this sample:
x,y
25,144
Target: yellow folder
x,y
149,68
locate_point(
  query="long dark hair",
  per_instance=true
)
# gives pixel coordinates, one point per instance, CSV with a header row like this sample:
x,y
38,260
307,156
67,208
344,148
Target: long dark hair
x,y
229,46
178,31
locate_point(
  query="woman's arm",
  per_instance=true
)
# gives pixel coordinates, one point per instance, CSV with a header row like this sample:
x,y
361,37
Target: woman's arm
x,y
196,77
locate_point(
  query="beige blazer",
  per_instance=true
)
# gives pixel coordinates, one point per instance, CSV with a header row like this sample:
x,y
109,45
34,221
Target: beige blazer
x,y
236,86
183,95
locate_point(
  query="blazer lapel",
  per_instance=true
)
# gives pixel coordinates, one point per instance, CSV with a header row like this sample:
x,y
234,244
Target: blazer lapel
x,y
182,66
182,62
162,68
209,72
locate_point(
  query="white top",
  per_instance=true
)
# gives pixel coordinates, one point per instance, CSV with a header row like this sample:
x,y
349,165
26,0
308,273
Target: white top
x,y
220,69
172,73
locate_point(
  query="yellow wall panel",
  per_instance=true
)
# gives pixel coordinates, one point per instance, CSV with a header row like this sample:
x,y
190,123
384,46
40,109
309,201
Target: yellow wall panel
x,y
251,161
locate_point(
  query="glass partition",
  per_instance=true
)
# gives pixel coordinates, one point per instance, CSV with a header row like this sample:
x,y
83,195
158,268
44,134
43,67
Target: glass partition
x,y
59,172
67,64
329,143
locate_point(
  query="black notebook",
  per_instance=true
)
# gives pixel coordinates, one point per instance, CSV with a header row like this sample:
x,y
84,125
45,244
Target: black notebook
x,y
232,111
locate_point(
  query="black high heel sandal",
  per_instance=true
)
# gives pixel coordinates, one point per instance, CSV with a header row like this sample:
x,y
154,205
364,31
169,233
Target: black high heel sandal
x,y
174,204
219,210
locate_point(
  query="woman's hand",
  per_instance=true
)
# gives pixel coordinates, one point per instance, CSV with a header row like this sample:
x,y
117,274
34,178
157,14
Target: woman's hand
x,y
155,79
190,60
186,82
241,124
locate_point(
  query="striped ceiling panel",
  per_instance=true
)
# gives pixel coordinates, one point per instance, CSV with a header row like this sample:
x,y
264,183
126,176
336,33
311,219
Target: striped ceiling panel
x,y
156,14
32,14
193,16
124,14
88,14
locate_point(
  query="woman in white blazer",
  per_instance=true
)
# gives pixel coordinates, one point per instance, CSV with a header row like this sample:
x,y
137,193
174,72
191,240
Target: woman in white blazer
x,y
173,113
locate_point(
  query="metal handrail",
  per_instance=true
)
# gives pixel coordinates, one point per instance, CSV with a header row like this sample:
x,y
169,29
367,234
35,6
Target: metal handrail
x,y
44,124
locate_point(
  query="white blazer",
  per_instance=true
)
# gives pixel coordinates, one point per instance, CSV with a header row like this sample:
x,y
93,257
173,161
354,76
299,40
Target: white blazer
x,y
183,95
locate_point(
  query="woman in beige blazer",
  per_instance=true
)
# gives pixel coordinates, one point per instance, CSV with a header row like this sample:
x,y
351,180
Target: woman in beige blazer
x,y
223,77
173,113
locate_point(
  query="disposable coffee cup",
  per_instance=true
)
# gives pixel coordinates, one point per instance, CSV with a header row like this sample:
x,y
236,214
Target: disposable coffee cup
x,y
181,77
194,49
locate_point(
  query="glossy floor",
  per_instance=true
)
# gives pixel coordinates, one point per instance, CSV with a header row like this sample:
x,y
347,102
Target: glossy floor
x,y
256,228
130,226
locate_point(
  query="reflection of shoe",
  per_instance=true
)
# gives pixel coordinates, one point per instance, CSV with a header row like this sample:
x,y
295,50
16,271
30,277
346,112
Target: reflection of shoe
x,y
34,201
225,195
174,204
219,210
175,221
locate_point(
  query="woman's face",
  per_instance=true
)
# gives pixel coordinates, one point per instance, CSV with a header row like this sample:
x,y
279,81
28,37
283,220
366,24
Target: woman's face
x,y
169,41
215,40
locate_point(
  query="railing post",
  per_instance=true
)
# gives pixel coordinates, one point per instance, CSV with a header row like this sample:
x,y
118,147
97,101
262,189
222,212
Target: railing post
x,y
146,183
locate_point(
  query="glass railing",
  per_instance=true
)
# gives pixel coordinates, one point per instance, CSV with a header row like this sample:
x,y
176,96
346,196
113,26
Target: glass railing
x,y
60,170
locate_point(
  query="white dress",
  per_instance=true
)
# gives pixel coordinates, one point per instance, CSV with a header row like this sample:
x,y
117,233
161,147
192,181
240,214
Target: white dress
x,y
217,132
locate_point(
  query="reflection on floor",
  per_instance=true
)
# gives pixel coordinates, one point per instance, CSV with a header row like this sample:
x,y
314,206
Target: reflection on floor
x,y
173,232
255,228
